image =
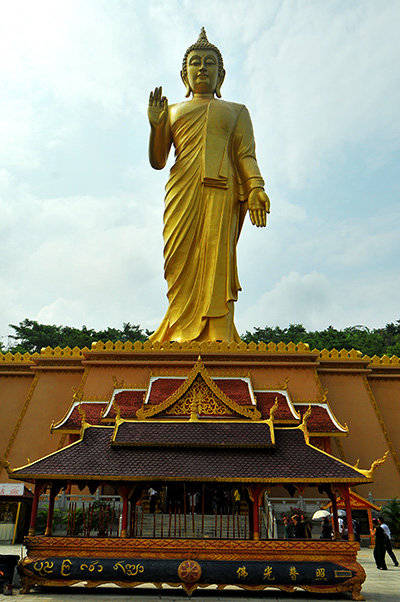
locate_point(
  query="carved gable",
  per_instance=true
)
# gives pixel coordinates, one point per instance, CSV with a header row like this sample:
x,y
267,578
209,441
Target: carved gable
x,y
199,400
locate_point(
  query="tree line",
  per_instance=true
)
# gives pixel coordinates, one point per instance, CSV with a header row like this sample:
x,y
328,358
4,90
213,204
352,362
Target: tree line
x,y
30,336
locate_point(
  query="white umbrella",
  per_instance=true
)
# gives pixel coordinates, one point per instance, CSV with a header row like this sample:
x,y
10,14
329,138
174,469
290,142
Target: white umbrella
x,y
320,514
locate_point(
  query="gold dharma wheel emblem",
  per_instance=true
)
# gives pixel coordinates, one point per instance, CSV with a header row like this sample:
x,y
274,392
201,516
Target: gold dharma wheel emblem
x,y
189,571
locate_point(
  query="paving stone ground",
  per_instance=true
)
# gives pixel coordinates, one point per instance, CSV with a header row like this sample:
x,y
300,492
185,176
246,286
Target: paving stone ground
x,y
380,586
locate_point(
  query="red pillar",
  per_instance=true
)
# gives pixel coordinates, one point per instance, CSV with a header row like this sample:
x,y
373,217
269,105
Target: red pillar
x,y
36,495
335,517
49,526
348,513
124,523
256,511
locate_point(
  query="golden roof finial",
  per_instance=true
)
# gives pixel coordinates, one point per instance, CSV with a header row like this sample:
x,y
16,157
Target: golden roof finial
x,y
273,409
303,426
76,394
306,416
370,473
81,412
117,410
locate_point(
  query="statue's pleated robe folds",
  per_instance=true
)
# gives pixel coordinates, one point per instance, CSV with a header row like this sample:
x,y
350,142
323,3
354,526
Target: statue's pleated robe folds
x,y
205,204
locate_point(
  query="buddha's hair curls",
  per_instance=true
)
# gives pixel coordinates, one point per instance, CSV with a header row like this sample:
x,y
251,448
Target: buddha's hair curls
x,y
202,44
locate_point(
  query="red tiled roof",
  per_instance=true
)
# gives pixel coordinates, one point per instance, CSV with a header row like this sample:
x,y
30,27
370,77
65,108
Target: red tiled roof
x,y
93,458
319,420
194,434
129,402
162,388
92,410
265,401
236,389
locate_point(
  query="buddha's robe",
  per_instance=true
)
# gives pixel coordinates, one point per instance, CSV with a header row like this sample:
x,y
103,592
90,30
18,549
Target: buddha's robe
x,y
205,204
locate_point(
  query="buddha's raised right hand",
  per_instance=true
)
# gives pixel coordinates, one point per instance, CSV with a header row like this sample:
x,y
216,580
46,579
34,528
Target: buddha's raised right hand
x,y
158,108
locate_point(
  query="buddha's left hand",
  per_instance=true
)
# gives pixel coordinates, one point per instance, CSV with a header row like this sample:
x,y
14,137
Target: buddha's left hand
x,y
258,203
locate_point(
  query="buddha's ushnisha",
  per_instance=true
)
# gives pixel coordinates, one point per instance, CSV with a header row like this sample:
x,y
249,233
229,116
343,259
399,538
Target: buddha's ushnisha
x,y
214,181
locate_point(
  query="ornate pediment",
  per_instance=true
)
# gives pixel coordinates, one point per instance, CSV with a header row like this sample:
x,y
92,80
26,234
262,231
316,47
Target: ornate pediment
x,y
199,397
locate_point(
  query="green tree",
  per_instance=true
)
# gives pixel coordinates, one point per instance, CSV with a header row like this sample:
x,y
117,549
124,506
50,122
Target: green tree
x,y
31,336
377,341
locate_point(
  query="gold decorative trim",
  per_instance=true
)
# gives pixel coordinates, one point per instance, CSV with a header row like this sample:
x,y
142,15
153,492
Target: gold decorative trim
x,y
325,405
375,464
382,423
385,360
273,410
22,414
75,352
282,386
122,385
303,425
83,381
203,346
16,358
145,478
343,354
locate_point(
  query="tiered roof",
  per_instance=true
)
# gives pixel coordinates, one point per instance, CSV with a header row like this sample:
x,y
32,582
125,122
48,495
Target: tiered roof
x,y
228,396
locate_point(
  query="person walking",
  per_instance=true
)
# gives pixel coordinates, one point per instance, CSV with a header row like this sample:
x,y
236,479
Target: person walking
x,y
380,548
388,543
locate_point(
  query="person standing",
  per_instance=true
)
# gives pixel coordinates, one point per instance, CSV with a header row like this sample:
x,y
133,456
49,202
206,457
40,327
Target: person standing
x,y
287,528
388,544
299,527
326,529
153,498
380,547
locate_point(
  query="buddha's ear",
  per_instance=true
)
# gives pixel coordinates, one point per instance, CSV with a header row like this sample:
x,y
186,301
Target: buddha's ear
x,y
186,84
220,81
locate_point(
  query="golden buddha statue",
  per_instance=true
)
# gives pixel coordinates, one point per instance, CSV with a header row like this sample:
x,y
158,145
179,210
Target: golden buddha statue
x,y
214,181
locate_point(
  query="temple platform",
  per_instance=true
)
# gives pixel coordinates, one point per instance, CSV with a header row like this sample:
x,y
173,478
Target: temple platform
x,y
312,565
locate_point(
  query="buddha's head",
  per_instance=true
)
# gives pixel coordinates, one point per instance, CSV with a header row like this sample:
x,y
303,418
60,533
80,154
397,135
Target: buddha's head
x,y
203,68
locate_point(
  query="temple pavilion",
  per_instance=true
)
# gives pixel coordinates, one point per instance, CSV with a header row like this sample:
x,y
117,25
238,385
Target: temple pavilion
x,y
209,448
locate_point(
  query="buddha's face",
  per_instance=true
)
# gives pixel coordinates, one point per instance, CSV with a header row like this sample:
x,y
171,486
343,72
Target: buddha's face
x,y
202,71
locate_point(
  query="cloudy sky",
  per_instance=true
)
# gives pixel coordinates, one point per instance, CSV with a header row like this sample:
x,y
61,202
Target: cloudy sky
x,y
81,208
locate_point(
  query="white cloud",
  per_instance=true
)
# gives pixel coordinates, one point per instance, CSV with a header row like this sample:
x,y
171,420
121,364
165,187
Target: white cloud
x,y
294,299
323,80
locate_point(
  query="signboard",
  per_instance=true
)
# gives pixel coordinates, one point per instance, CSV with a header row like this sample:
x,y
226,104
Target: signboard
x,y
12,489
